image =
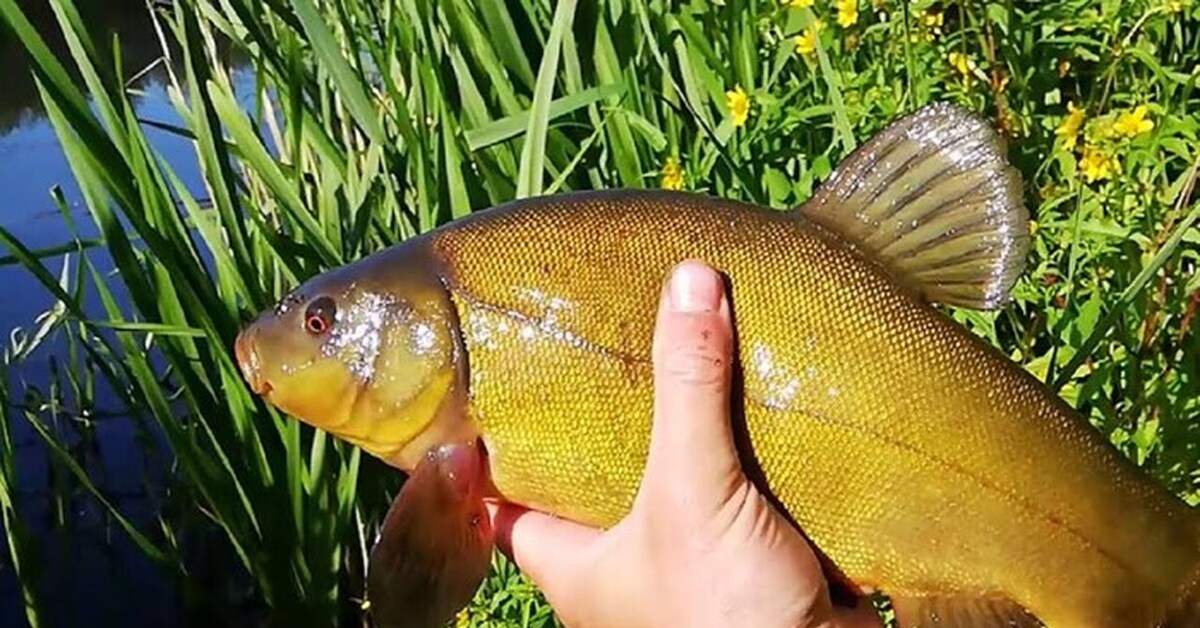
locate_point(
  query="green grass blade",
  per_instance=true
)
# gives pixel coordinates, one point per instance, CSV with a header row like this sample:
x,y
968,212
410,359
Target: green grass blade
x,y
512,126
1131,292
349,86
64,457
251,148
533,153
20,549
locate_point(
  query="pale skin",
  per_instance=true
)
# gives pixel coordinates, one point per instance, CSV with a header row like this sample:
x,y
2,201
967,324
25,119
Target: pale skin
x,y
701,546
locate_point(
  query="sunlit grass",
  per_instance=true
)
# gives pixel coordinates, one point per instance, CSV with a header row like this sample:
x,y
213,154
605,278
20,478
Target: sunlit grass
x,y
374,121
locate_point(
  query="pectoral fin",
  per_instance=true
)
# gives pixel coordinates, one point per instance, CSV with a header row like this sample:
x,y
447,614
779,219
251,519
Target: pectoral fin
x,y
435,546
933,199
961,612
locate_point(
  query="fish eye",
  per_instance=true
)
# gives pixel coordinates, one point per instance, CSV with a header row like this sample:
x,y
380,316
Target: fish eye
x,y
319,317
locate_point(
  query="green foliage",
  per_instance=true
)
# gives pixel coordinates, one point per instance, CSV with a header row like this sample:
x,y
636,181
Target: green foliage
x,y
14,530
377,120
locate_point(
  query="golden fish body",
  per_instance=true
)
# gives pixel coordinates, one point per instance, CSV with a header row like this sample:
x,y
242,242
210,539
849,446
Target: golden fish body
x,y
918,460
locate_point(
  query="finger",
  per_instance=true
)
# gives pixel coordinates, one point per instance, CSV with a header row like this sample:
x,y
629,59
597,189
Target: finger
x,y
547,549
691,442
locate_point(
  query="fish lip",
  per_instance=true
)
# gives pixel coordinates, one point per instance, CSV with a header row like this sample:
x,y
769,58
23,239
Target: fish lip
x,y
249,362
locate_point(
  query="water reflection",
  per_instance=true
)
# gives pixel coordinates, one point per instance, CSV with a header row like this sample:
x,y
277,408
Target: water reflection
x,y
127,19
89,573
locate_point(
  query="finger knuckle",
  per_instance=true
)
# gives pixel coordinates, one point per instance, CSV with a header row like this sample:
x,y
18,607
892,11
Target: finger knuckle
x,y
695,363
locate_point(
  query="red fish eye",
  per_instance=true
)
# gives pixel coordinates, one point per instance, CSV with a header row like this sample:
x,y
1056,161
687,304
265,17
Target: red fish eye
x,y
319,316
316,325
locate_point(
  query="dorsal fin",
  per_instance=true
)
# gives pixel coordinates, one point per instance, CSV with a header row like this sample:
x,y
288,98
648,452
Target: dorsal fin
x,y
933,198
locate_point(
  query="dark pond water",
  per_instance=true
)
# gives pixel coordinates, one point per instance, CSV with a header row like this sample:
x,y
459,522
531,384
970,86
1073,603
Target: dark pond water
x,y
88,573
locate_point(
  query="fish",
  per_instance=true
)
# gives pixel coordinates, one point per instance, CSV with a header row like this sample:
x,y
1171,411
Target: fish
x,y
920,461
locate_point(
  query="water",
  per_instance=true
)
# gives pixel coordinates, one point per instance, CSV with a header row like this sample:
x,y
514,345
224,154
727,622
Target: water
x,y
89,572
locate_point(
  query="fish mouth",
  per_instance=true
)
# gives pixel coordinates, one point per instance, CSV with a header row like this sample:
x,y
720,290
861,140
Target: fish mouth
x,y
250,364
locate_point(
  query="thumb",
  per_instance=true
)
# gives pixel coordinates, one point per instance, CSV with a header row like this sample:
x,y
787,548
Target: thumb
x,y
692,452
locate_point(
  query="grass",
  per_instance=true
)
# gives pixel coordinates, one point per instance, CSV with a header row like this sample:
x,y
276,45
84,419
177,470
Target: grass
x,y
374,121
19,550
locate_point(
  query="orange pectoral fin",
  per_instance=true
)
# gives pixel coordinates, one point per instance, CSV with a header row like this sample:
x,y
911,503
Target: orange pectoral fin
x,y
435,546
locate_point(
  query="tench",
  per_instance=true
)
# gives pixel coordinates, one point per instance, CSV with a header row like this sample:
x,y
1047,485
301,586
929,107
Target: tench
x,y
920,461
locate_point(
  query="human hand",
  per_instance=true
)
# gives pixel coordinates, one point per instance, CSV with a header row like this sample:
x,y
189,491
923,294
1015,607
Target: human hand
x,y
700,546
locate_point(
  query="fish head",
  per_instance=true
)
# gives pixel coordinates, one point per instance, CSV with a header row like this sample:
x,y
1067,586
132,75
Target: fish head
x,y
369,352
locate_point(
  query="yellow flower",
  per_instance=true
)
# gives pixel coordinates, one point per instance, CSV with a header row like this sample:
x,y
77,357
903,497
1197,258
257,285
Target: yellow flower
x,y
962,63
930,24
463,619
739,105
1098,164
847,13
1132,123
806,42
800,4
1069,129
1176,6
1101,129
672,174
1064,66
